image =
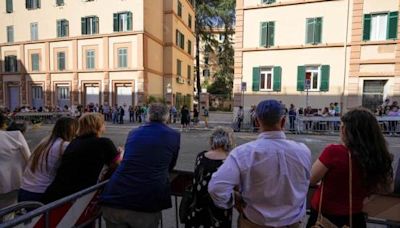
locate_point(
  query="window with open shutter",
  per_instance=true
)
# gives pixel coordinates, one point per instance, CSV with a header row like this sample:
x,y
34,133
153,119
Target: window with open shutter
x,y
116,22
277,78
256,79
392,25
313,30
35,62
263,34
367,27
10,34
84,26
325,72
271,34
301,75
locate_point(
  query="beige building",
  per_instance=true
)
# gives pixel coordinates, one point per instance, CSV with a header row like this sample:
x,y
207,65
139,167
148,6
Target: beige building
x,y
209,59
67,52
344,51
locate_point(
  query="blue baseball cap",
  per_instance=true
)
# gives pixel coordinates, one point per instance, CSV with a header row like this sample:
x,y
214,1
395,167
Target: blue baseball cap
x,y
269,112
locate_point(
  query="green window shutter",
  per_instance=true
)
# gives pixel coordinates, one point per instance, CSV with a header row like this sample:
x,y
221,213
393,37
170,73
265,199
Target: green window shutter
x,y
392,25
96,25
177,37
116,24
263,34
9,6
325,71
301,77
271,33
310,30
66,28
59,28
318,30
367,27
129,21
277,78
38,4
83,24
256,78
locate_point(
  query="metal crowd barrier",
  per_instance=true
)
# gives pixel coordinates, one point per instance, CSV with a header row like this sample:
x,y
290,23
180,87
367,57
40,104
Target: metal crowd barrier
x,y
81,209
38,117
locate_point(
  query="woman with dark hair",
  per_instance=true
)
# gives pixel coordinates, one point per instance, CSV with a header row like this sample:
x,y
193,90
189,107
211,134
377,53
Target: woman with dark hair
x,y
371,168
45,159
185,117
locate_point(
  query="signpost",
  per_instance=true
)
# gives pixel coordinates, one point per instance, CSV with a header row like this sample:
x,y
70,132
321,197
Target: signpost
x,y
243,88
308,86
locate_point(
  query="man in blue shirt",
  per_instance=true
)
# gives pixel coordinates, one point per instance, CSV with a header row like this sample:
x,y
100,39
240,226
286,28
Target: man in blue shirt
x,y
139,189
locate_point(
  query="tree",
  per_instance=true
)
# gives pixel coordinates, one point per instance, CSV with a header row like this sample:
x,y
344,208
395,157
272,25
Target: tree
x,y
211,14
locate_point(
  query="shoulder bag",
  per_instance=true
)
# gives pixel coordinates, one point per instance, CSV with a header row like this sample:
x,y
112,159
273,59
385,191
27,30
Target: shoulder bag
x,y
323,222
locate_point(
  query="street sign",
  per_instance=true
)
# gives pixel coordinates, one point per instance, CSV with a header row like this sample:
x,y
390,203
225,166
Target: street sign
x,y
308,84
243,87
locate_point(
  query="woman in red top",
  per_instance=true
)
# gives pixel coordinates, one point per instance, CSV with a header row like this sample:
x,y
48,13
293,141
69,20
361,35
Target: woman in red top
x,y
371,170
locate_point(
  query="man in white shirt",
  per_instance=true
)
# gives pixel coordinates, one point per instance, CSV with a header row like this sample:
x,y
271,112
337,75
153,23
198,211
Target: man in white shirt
x,y
271,173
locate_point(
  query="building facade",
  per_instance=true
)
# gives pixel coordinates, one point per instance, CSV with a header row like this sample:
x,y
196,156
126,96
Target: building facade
x,y
65,52
314,52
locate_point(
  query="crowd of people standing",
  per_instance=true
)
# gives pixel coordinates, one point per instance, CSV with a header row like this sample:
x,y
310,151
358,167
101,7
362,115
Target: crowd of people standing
x,y
266,180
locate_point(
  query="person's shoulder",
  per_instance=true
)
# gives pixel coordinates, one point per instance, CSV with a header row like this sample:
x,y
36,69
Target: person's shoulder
x,y
336,147
300,146
104,140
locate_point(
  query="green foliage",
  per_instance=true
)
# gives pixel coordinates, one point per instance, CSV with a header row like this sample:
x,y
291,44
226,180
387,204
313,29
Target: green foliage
x,y
151,99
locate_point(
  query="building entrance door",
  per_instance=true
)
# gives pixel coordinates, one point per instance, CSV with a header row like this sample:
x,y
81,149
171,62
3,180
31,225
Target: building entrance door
x,y
373,93
37,97
124,99
63,96
92,95
13,97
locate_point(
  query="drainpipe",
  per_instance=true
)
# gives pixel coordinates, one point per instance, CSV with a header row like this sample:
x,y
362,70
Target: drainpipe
x,y
345,58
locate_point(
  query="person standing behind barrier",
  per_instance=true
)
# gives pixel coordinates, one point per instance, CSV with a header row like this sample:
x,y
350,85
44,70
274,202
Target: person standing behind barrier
x,y
115,114
371,170
185,117
45,159
204,212
139,189
271,175
292,117
84,159
14,155
195,116
239,117
121,114
205,116
131,114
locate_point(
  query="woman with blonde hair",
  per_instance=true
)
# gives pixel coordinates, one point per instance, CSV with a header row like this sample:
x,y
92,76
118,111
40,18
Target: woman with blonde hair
x,y
84,158
45,160
203,212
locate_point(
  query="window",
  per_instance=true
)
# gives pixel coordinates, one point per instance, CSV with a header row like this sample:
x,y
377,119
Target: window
x,y
221,37
34,31
189,47
206,73
179,67
313,78
266,78
10,34
180,39
61,61
380,26
10,63
267,1
179,8
90,25
90,59
190,21
122,58
122,22
35,62
314,30
63,93
59,2
62,28
32,4
373,93
9,6
189,72
267,35
206,60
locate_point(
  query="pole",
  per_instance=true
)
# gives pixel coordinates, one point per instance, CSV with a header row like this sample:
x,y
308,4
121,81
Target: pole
x,y
198,85
307,101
